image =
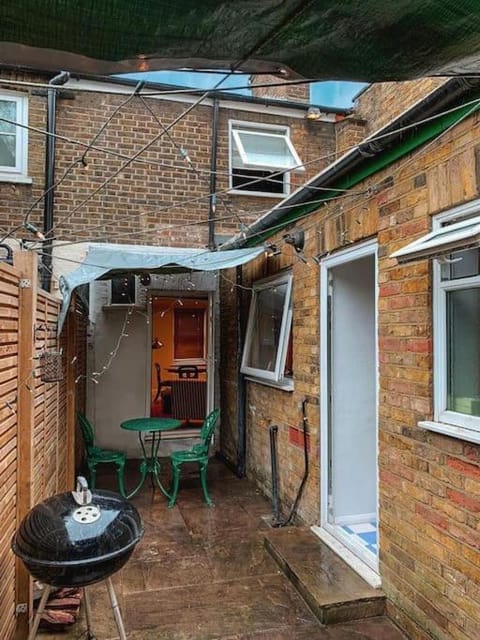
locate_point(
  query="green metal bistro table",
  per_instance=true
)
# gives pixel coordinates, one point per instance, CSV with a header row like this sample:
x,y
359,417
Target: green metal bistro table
x,y
150,463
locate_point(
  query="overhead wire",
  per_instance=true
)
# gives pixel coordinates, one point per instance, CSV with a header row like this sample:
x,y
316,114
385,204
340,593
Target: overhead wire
x,y
187,158
158,93
371,192
371,139
144,148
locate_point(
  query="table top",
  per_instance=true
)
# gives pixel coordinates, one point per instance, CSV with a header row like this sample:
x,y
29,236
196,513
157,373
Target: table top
x,y
151,424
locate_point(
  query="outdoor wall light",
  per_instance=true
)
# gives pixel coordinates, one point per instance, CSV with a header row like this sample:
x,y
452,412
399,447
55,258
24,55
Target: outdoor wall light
x,y
296,239
313,113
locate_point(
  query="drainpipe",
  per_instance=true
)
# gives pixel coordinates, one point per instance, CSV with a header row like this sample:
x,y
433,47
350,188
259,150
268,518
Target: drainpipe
x,y
59,79
213,177
241,385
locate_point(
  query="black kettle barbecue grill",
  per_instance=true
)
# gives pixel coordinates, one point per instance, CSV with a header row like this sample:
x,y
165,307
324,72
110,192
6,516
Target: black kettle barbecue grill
x,y
75,539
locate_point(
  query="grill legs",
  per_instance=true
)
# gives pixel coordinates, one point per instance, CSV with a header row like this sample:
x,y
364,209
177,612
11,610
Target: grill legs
x,y
38,614
116,610
88,612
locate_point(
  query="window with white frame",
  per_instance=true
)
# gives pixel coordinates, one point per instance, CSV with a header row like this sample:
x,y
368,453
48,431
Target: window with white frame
x,y
454,245
261,157
13,139
267,354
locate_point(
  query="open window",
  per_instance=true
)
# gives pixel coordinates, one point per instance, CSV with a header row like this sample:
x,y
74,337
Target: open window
x,y
261,159
454,243
442,241
267,353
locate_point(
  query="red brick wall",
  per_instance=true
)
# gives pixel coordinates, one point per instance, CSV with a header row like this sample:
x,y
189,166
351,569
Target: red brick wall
x,y
159,198
429,483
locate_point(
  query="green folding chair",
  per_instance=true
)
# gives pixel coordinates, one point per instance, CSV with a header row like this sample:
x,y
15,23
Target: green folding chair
x,y
198,453
96,455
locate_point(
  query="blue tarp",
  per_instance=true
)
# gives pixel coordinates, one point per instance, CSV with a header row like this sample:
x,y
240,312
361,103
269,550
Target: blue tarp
x,y
101,259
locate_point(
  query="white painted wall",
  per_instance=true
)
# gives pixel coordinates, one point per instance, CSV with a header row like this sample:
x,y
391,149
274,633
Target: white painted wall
x,y
354,380
123,391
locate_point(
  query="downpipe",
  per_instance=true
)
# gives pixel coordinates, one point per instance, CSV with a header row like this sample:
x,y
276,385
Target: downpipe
x,y
48,208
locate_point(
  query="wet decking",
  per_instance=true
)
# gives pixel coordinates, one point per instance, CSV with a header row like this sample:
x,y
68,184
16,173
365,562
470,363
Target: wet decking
x,y
203,573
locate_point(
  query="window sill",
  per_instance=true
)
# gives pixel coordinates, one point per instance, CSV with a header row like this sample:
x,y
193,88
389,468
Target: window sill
x,y
286,385
451,430
6,177
257,194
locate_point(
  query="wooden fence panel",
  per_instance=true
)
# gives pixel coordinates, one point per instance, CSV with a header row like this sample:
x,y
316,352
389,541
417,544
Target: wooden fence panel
x,y
9,310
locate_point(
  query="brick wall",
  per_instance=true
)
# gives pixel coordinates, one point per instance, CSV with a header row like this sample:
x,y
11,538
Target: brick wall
x,y
160,198
349,132
381,102
293,92
429,483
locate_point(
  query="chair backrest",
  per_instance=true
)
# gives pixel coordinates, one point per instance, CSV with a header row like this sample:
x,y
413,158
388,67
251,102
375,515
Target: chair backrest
x,y
88,433
188,371
208,428
159,374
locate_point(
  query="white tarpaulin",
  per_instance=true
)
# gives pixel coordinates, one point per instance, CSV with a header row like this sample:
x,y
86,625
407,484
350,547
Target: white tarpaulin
x,y
101,259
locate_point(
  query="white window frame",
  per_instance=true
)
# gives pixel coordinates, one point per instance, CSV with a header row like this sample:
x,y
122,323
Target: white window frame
x,y
446,421
276,376
18,173
259,129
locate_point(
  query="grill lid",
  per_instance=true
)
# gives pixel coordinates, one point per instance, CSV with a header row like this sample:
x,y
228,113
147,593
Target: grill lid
x,y
77,528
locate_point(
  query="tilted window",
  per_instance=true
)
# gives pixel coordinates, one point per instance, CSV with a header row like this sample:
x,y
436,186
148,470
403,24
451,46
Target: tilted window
x,y
13,138
267,353
454,244
261,159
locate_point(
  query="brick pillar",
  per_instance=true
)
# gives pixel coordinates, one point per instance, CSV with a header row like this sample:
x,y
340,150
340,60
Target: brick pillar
x,y
292,92
349,132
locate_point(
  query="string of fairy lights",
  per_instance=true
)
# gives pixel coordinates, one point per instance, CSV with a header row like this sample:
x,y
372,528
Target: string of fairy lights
x,y
165,129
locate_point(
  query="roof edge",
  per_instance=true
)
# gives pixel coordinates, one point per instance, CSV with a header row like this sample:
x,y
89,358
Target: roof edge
x,y
371,148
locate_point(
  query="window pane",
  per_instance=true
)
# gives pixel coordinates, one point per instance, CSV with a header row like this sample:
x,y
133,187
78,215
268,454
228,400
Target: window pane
x,y
189,334
267,324
463,351
7,151
464,265
266,150
257,180
8,109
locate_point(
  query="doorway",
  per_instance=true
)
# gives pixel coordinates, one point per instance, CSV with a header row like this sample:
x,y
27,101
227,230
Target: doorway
x,y
180,349
349,402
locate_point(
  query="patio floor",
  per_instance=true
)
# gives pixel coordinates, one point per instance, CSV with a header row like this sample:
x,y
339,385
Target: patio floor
x,y
203,574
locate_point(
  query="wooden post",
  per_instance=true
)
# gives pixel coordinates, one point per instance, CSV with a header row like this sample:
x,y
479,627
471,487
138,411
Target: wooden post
x,y
71,391
26,263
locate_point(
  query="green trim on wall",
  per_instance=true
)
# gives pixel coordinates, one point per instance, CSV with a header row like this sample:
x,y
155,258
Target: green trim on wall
x,y
371,166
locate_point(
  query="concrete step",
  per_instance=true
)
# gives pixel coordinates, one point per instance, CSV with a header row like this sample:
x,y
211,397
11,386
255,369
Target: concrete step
x,y
334,592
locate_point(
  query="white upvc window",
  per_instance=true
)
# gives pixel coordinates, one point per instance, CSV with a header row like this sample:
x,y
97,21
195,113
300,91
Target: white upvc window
x,y
454,246
267,355
261,158
13,139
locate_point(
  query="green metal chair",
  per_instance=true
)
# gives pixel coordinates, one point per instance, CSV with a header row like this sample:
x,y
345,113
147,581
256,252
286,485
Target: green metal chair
x,y
198,453
95,455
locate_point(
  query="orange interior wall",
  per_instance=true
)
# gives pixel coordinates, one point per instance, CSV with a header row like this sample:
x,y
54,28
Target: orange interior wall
x,y
162,328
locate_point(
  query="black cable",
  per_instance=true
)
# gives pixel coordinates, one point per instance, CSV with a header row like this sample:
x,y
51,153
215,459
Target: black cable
x,y
293,510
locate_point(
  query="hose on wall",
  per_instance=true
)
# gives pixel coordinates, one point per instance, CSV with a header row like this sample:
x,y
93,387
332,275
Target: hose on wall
x,y
288,520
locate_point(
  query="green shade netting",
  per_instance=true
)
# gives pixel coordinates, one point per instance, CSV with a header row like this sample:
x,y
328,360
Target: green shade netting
x,y
365,40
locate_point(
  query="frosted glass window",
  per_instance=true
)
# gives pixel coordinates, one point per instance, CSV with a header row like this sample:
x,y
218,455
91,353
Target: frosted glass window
x,y
13,139
463,351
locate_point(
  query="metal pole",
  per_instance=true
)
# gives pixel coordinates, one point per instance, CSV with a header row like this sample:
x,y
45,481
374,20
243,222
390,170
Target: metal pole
x,y
88,614
273,430
59,79
116,610
38,614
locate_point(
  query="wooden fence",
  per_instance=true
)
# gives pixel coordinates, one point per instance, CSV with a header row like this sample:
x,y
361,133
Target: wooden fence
x,y
37,418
